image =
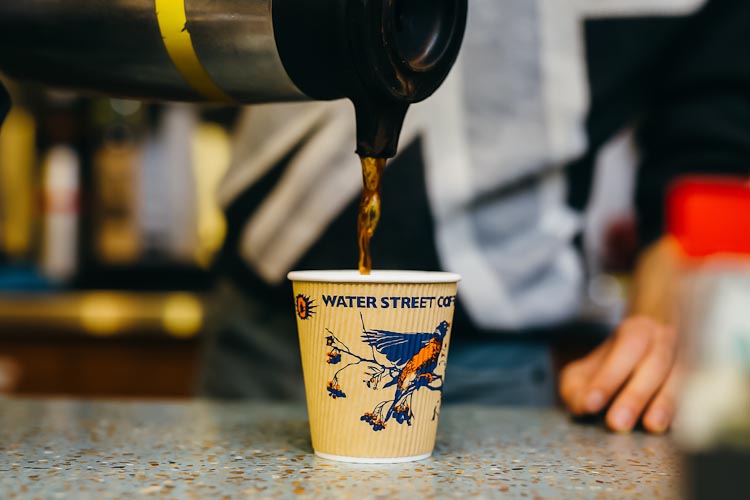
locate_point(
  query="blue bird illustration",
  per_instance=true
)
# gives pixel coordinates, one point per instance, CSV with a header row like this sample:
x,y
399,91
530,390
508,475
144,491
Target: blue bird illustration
x,y
417,353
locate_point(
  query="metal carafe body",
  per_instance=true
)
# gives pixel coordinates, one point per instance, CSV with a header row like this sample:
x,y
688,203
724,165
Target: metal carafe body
x,y
381,54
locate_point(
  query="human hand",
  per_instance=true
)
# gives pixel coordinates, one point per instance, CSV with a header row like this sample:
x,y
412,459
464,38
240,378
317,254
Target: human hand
x,y
636,372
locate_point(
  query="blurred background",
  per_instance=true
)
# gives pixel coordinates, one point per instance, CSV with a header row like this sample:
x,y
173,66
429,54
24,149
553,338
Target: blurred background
x,y
109,225
107,234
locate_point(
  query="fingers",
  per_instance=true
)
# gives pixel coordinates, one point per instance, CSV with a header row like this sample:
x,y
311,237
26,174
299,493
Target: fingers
x,y
661,411
630,345
575,377
649,376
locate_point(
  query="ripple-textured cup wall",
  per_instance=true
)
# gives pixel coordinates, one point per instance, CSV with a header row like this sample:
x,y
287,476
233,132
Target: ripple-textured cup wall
x,y
374,358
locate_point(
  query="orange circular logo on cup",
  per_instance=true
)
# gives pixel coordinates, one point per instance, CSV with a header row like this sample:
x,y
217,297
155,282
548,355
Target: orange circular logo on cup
x,y
305,307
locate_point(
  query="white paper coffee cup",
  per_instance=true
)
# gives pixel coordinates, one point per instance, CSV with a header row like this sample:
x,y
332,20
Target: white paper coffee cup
x,y
374,350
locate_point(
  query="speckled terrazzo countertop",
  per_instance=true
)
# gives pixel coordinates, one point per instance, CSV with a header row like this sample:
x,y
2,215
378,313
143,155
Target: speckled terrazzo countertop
x,y
65,449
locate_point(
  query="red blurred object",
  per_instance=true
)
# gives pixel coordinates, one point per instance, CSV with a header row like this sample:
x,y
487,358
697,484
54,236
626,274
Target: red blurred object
x,y
710,215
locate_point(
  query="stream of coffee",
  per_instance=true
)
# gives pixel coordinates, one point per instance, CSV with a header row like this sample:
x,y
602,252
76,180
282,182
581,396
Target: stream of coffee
x,y
369,209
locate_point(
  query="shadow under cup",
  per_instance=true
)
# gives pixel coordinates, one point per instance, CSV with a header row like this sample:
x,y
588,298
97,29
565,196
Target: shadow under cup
x,y
374,350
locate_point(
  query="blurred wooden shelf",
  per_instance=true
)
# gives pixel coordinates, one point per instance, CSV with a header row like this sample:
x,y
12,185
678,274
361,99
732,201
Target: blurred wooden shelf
x,y
101,343
102,314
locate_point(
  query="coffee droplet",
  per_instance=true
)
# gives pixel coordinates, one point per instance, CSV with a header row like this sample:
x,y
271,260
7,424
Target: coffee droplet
x,y
369,209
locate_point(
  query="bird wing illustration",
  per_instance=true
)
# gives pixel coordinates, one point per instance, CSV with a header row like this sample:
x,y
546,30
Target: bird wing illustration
x,y
397,347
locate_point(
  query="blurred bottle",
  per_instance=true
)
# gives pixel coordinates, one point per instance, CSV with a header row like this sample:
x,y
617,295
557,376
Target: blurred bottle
x,y
59,253
60,141
707,218
115,175
17,160
168,191
115,210
715,409
211,160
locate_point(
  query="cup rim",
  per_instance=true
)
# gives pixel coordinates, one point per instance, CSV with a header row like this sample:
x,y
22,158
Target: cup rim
x,y
378,277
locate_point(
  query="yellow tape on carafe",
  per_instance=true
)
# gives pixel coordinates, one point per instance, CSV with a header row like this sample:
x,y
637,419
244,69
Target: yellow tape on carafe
x,y
172,24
